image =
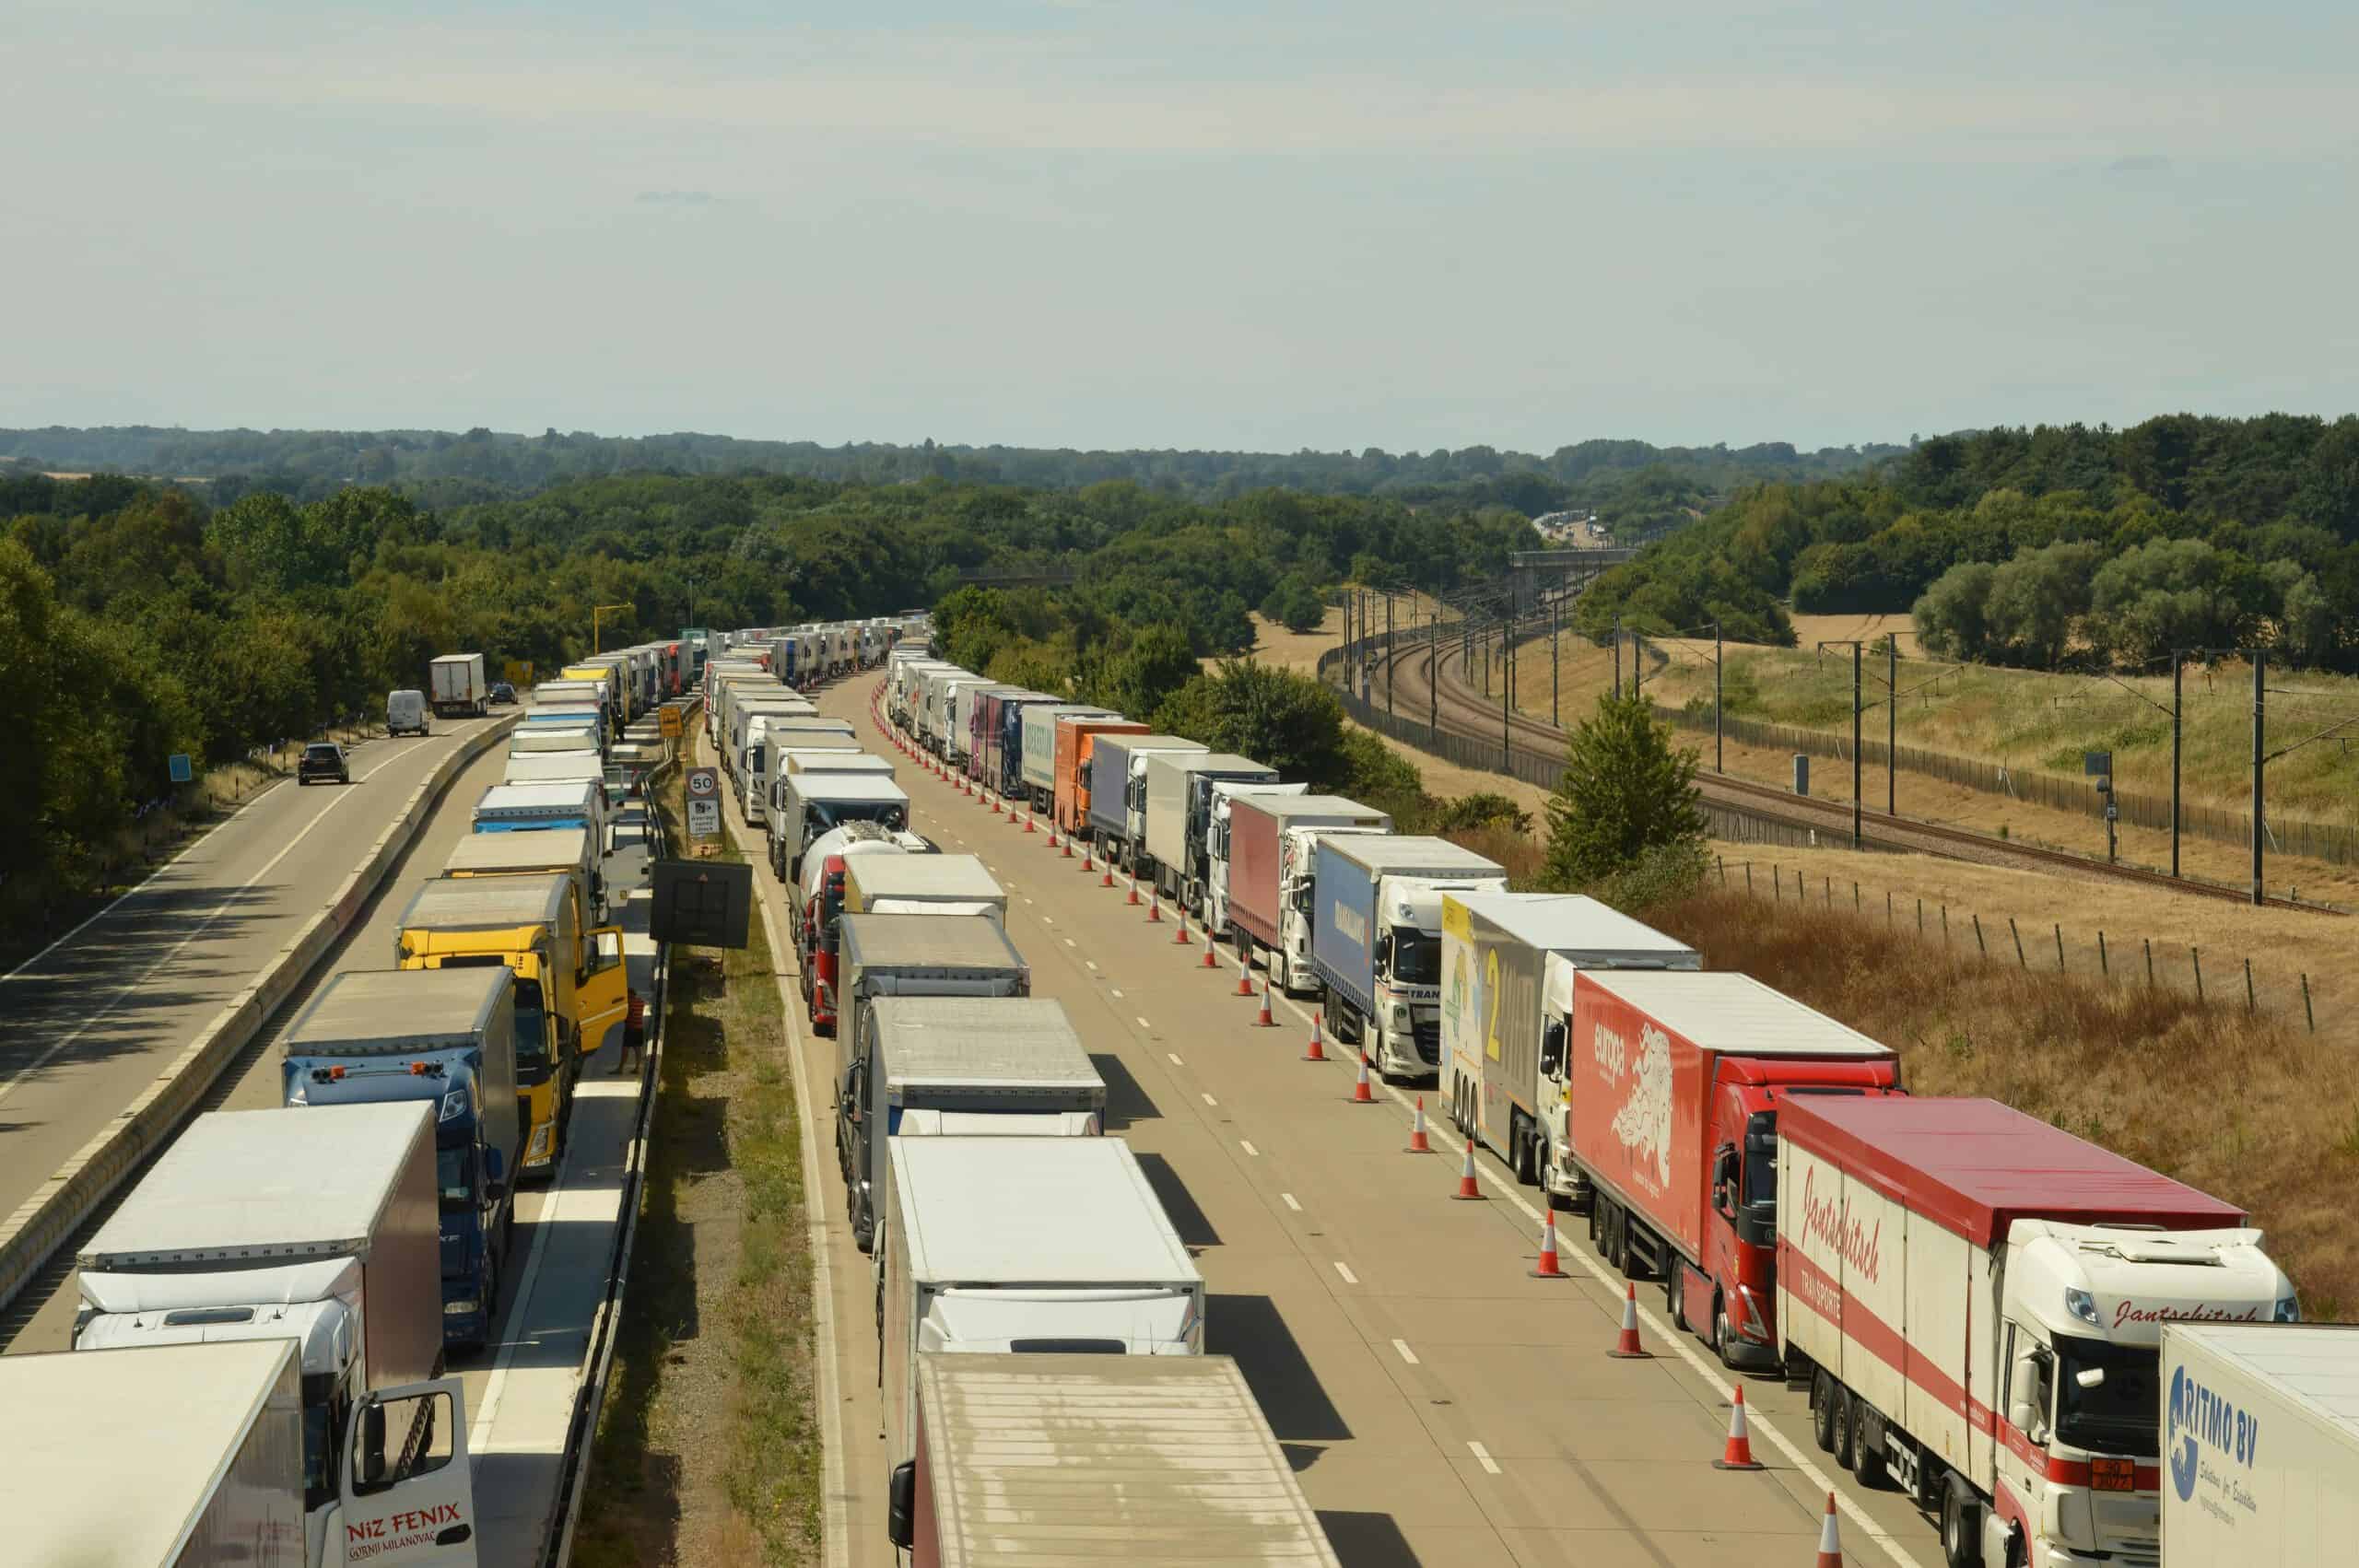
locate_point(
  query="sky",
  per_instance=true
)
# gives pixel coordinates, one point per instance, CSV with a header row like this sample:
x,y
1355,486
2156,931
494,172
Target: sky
x,y
1267,227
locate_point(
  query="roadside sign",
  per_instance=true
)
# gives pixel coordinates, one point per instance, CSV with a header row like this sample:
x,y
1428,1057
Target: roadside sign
x,y
2096,763
704,802
518,672
181,770
708,904
668,721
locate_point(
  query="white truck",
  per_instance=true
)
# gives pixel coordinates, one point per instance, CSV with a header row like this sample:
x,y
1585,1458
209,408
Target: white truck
x,y
458,687
767,736
960,1066
811,804
209,1441
1090,1459
320,1228
2260,1445
1036,766
1376,939
1175,799
1976,1301
924,885
1261,881
997,1245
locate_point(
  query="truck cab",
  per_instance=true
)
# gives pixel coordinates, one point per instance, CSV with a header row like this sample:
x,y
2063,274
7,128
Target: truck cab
x,y
818,904
1208,846
1376,940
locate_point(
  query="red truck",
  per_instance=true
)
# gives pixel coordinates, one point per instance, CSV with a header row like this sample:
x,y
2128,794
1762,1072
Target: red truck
x,y
1672,1098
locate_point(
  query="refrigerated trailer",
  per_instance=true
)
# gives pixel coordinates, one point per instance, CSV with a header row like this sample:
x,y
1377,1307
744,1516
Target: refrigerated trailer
x,y
1261,880
1173,789
2260,1444
1376,939
1976,1301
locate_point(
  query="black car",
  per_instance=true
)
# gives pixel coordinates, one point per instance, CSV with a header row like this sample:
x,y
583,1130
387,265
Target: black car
x,y
502,692
323,759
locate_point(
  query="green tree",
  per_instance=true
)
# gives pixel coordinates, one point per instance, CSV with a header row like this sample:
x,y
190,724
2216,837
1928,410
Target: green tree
x,y
1295,604
1136,679
1951,617
1627,792
1282,719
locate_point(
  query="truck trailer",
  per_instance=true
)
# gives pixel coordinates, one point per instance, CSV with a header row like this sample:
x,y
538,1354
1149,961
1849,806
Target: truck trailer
x,y
1040,1458
457,684
1175,799
1117,804
1077,740
1262,876
2260,1444
817,902
812,804
1976,1301
1376,939
924,885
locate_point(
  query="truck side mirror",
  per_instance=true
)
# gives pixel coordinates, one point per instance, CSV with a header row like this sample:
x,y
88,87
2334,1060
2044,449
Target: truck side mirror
x,y
2024,1405
901,1505
1552,1048
1384,951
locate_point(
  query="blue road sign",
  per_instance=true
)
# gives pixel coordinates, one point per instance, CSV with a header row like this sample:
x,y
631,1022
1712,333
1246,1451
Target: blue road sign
x,y
182,769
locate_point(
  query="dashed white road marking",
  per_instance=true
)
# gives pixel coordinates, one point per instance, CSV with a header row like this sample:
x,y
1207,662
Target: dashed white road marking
x,y
1290,1203
1210,1101
1246,1145
1406,1353
1483,1457
1345,1269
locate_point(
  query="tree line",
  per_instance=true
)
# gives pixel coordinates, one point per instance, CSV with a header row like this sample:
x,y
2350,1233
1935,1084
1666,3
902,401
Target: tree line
x,y
2040,547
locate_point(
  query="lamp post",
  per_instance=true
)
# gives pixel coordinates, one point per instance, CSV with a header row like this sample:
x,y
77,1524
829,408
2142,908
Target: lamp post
x,y
596,613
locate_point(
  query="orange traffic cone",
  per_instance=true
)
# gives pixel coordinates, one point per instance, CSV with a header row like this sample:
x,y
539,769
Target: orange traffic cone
x,y
1134,899
1210,961
1361,1094
1548,1268
1244,969
1068,844
1027,821
1625,1345
1264,1021
1318,1051
1153,905
1738,1455
1418,1143
1467,1189
1106,876
1830,1541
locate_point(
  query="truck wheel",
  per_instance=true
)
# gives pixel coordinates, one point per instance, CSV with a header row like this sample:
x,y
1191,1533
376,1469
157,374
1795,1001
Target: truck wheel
x,y
1961,1523
1675,1304
1869,1460
1843,1419
1822,1411
1527,1162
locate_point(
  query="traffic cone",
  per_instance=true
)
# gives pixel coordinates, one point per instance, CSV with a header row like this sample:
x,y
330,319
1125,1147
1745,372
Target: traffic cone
x,y
1626,1344
1418,1143
1738,1455
1210,961
1244,969
1027,821
1318,1051
1467,1190
1104,876
1548,1268
1153,905
1830,1540
1361,1092
1264,1021
1068,844
1134,899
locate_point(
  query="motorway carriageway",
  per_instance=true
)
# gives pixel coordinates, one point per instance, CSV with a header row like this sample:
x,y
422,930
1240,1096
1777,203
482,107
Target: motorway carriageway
x,y
1440,1406
521,1390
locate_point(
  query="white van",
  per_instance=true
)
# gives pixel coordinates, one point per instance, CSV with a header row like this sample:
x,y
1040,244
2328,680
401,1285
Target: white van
x,y
405,713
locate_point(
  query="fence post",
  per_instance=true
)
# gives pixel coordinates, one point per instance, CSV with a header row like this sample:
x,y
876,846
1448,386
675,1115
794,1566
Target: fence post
x,y
2060,947
1748,876
1776,883
1887,907
1724,869
1979,946
2150,963
2249,999
2195,956
1920,917
2103,967
2306,1014
1829,890
1945,927
2021,962
1855,898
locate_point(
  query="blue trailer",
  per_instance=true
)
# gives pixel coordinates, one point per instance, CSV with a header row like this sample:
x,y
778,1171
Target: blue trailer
x,y
1117,793
1376,940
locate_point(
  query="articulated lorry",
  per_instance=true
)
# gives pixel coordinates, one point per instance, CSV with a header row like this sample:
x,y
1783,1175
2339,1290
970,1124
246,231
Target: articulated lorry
x,y
1498,953
818,902
1376,940
546,803
571,983
195,1456
2260,1444
1976,1301
446,1039
1004,769
1210,803
1076,743
813,804
1093,1458
1261,880
962,1066
1032,754
1175,791
458,687
924,885
1117,804
883,956
999,1245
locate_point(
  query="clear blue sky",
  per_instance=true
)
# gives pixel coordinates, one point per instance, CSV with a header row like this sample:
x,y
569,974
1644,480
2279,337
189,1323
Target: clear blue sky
x,y
1268,226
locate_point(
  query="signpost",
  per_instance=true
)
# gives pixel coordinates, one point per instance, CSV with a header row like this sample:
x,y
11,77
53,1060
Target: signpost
x,y
2100,767
704,802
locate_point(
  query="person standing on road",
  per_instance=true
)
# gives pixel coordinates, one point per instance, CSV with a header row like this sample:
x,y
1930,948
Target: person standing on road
x,y
634,1033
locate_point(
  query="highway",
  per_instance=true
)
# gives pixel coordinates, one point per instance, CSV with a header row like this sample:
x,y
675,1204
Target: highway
x,y
521,1390
1440,1406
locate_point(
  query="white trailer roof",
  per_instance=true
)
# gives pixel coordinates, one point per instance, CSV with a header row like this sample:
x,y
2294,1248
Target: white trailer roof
x,y
163,1419
1034,1210
967,1039
1151,1462
1721,1010
923,876
541,795
281,1184
1579,927
2313,1364
1319,806
412,1008
1408,855
553,850
924,941
835,786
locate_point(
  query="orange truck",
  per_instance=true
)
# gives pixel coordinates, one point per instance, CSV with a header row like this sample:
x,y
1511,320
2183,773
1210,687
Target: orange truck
x,y
1075,739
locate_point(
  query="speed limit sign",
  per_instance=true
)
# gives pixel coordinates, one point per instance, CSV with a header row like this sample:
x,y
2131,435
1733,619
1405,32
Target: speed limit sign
x,y
704,802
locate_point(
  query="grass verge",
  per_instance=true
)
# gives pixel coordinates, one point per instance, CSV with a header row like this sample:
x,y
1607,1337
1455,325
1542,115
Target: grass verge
x,y
2245,1107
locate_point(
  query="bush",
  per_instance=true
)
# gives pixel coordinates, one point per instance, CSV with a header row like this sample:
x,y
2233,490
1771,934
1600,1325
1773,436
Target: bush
x,y
1626,791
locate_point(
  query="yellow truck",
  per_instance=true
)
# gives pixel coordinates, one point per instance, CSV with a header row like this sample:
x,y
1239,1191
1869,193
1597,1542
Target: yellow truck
x,y
570,983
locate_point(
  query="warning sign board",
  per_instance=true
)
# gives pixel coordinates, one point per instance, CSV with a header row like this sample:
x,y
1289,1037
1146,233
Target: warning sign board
x,y
668,721
704,802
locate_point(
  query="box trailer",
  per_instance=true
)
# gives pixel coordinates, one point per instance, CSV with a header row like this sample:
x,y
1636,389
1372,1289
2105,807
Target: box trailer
x,y
992,1246
1076,740
458,687
816,902
1117,793
2260,1444
1496,964
1262,875
1175,795
1035,773
1040,1458
924,885
1976,1299
1376,939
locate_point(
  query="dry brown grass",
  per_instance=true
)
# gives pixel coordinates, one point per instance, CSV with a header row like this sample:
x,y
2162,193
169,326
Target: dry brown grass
x,y
2253,1110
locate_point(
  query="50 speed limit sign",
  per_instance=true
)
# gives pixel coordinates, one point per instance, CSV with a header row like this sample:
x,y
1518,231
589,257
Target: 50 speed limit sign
x,y
704,802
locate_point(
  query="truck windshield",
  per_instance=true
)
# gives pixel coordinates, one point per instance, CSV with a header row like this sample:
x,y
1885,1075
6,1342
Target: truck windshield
x,y
454,1177
2121,1414
532,1034
1417,956
820,815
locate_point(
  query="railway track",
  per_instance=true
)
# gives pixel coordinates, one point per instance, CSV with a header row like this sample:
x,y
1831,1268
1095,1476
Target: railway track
x,y
1463,711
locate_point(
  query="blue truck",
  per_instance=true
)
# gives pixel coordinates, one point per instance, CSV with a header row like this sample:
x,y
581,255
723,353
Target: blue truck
x,y
447,1037
1376,940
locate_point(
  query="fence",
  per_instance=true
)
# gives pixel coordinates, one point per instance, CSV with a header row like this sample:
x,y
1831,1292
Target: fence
x,y
2315,840
2041,946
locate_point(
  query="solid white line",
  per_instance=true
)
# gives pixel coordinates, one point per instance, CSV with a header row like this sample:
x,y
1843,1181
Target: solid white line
x,y
1345,1269
479,1431
1406,1353
1677,1343
1290,1203
1246,1145
1483,1457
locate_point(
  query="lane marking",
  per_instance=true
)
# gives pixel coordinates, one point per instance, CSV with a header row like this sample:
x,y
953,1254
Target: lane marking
x,y
1092,963
1210,1101
1069,942
1246,1145
1173,1055
1345,1269
1290,1203
1118,990
1406,1353
1144,1024
1483,1457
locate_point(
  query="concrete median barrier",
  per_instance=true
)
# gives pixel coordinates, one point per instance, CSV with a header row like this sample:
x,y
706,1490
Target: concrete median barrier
x,y
43,1221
